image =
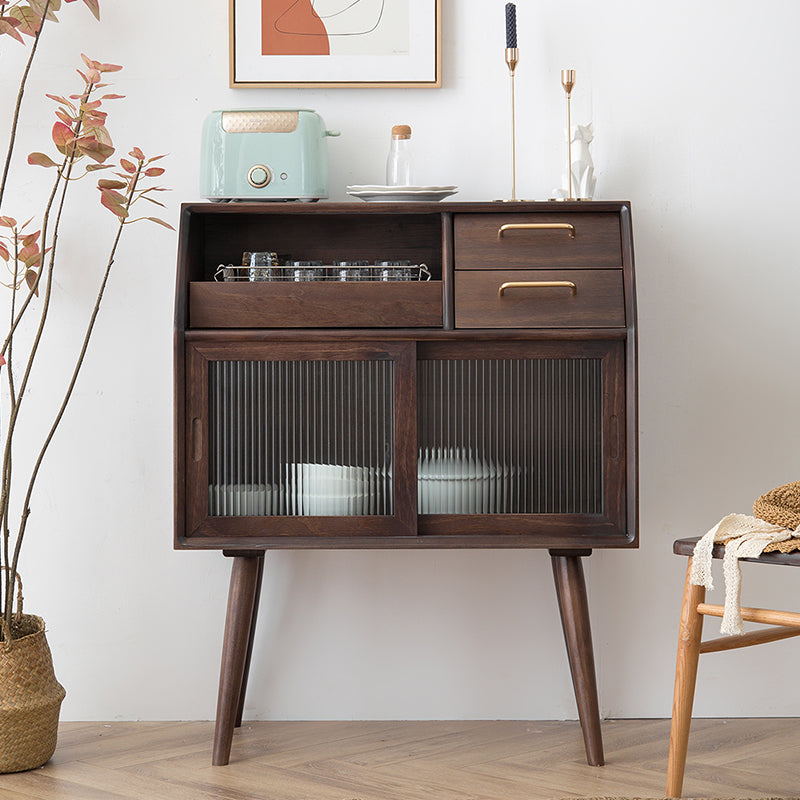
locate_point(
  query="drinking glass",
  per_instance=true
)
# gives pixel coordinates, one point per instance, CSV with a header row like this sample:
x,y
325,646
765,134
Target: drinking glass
x,y
260,264
394,270
351,270
307,271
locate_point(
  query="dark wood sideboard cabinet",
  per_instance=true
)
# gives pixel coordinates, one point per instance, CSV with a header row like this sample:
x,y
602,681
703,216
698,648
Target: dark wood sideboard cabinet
x,y
492,406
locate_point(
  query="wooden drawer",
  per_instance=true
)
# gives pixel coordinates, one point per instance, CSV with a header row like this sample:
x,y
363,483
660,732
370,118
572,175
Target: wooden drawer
x,y
529,241
587,298
412,304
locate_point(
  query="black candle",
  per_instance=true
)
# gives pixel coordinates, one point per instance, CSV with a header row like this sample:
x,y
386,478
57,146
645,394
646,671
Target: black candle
x,y
511,25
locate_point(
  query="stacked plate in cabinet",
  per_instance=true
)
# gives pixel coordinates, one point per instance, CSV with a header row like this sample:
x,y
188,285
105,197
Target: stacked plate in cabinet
x,y
329,490
246,500
452,480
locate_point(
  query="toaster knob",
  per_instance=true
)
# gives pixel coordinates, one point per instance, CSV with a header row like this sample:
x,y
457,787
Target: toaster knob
x,y
259,176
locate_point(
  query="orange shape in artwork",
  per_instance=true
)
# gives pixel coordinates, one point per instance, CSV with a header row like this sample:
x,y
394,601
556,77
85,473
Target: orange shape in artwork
x,y
292,28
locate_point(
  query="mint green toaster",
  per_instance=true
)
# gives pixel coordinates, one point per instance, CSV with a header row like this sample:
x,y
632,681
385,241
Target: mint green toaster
x,y
264,154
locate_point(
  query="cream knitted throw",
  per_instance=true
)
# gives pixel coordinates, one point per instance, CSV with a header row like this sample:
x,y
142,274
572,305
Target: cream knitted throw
x,y
744,537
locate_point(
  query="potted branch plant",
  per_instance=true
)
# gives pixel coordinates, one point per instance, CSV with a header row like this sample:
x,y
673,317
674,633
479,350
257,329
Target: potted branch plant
x,y
30,695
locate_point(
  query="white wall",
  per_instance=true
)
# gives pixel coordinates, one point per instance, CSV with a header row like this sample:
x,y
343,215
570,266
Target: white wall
x,y
695,116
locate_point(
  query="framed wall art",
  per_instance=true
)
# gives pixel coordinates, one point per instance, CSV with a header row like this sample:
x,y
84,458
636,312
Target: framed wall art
x,y
335,43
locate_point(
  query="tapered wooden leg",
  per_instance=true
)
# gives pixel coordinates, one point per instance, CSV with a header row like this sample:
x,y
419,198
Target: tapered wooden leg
x,y
691,631
252,636
238,625
574,608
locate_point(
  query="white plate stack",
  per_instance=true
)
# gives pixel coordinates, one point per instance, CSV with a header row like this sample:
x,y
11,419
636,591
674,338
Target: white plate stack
x,y
334,490
245,500
451,480
401,194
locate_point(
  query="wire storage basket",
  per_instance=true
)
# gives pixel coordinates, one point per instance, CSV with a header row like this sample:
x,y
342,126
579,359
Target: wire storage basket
x,y
324,272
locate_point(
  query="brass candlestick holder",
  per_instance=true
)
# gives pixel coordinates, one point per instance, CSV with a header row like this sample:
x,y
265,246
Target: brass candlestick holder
x,y
568,82
512,57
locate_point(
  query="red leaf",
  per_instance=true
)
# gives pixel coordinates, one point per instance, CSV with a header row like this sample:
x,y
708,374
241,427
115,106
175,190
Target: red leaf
x,y
38,7
101,134
30,256
114,196
59,99
4,254
2,361
99,65
28,19
137,154
90,146
9,25
30,279
27,252
160,222
42,160
62,136
152,172
30,238
111,200
127,165
8,222
107,183
94,7
96,121
112,97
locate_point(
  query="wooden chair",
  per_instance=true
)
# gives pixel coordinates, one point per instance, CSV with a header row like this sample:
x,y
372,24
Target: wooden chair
x,y
786,624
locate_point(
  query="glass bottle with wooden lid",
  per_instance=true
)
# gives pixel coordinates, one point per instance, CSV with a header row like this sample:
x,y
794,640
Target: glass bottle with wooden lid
x,y
398,164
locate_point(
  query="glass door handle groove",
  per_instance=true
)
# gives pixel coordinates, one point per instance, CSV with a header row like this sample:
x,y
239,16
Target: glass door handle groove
x,y
536,226
197,439
536,285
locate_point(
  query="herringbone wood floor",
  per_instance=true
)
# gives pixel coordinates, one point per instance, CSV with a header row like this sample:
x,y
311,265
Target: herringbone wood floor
x,y
409,761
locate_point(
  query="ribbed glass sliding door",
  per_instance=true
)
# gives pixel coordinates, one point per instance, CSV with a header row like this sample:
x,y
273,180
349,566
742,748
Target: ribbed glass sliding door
x,y
510,436
330,439
300,438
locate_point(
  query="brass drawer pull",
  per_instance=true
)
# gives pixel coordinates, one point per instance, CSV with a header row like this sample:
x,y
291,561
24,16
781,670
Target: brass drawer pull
x,y
537,285
536,226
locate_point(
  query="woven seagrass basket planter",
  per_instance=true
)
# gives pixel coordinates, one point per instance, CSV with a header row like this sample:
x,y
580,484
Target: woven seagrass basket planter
x,y
30,699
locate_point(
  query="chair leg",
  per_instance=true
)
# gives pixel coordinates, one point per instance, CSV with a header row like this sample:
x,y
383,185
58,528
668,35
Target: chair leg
x,y
238,625
691,630
574,608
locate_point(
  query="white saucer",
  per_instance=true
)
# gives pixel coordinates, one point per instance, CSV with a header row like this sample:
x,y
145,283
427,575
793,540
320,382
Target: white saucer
x,y
401,194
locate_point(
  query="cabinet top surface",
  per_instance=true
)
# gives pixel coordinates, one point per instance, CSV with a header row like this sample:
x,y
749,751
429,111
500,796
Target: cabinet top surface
x,y
350,207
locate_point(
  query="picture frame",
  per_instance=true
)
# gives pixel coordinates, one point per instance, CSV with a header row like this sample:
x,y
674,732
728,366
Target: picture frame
x,y
335,43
